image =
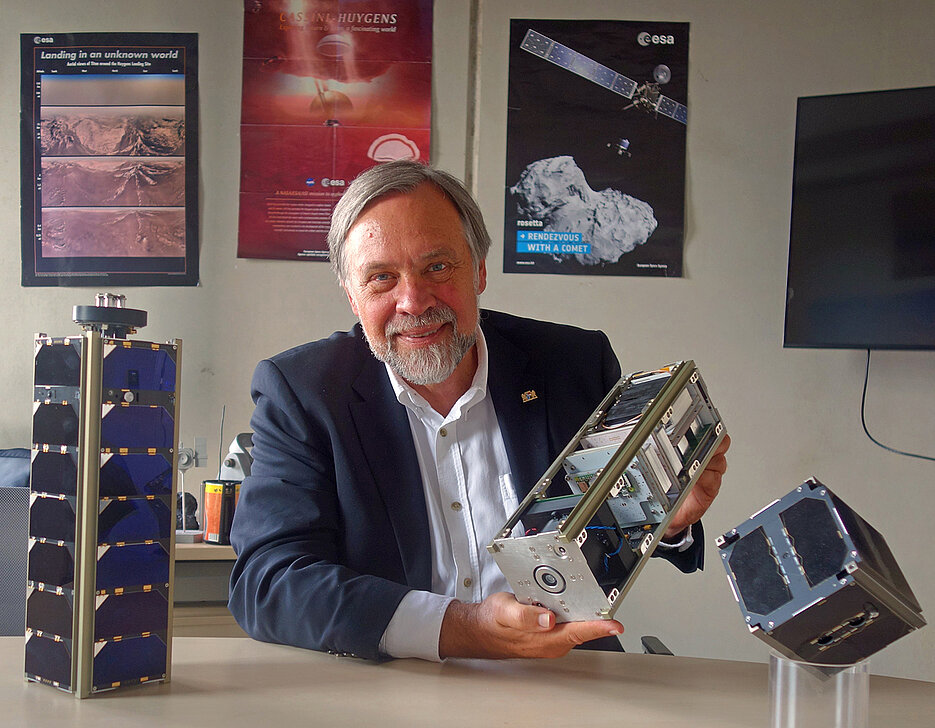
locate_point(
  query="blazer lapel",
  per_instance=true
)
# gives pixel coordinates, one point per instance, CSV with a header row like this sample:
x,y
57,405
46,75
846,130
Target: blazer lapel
x,y
386,439
518,392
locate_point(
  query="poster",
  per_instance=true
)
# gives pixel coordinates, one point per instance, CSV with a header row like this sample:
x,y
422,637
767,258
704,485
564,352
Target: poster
x,y
330,88
596,127
109,147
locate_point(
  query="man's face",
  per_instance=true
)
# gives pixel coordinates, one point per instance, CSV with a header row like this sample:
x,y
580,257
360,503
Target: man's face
x,y
412,283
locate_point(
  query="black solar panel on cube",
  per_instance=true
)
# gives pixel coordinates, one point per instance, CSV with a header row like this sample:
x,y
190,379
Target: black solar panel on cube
x,y
756,570
52,517
132,565
134,519
54,472
135,474
49,660
137,427
816,539
129,661
55,424
51,612
135,367
59,363
131,614
51,563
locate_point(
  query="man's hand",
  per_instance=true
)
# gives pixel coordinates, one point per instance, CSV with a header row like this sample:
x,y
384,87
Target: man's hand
x,y
703,494
501,627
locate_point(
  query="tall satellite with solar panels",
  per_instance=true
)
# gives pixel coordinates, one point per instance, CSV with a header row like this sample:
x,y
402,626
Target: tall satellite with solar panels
x,y
102,504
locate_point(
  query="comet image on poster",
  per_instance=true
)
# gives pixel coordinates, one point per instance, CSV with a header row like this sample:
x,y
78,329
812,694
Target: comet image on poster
x,y
596,127
110,167
330,88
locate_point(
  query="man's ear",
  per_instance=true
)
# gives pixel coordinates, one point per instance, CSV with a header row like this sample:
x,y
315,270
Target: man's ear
x,y
481,276
350,300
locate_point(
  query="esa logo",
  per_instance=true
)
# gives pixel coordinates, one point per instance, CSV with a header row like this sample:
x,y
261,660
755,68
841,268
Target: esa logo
x,y
333,182
645,39
42,39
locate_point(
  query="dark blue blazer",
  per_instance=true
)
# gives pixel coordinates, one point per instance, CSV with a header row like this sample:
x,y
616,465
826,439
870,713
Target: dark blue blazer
x,y
331,529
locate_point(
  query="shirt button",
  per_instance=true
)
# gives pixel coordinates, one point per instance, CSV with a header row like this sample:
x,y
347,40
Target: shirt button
x,y
443,432
468,582
455,506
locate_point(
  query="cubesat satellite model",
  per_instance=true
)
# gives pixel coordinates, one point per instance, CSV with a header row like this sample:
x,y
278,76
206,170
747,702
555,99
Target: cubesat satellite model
x,y
583,533
815,581
102,504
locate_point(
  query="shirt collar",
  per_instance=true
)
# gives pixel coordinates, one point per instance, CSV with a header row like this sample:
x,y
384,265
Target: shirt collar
x,y
408,397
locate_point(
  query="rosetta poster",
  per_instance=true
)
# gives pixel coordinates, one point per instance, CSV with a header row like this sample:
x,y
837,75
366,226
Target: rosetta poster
x,y
596,128
109,159
330,88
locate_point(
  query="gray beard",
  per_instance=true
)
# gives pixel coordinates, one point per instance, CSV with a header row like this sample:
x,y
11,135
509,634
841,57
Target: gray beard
x,y
431,365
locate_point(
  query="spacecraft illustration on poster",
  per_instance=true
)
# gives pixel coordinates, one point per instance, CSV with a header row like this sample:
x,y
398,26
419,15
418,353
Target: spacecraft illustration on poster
x,y
596,128
109,147
330,88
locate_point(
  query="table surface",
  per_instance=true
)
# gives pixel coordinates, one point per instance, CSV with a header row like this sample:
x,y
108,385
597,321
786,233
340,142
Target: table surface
x,y
203,552
231,682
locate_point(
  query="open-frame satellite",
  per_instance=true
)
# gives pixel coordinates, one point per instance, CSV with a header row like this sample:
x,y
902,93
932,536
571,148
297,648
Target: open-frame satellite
x,y
584,532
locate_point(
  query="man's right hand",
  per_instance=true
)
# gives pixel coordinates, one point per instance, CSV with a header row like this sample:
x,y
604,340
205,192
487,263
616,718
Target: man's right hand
x,y
501,627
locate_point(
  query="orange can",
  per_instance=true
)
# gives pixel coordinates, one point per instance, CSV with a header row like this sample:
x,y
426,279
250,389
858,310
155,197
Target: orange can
x,y
218,504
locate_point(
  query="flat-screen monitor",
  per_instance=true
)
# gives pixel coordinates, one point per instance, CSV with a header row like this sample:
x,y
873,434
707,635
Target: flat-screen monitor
x,y
862,238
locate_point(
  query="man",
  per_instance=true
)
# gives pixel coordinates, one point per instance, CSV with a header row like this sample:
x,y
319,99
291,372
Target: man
x,y
386,457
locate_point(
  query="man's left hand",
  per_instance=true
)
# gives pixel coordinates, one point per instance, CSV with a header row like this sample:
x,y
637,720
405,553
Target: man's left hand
x,y
703,494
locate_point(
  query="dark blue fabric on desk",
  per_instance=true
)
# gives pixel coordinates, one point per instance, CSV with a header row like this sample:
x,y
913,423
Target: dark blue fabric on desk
x,y
14,467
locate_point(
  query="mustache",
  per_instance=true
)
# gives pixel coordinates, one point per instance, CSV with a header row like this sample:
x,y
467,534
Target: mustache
x,y
435,316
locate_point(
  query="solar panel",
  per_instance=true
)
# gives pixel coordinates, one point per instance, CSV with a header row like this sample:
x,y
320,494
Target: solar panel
x,y
581,65
672,109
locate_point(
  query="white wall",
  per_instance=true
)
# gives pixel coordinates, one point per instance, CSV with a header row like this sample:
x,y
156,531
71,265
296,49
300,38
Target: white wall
x,y
792,413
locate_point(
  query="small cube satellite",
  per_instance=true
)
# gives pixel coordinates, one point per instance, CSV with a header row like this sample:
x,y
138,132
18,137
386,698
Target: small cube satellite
x,y
815,581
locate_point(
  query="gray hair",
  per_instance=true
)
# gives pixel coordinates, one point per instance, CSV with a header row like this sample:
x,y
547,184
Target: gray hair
x,y
403,176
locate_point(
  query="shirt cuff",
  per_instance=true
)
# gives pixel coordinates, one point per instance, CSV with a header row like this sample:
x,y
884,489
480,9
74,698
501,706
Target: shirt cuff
x,y
415,627
686,539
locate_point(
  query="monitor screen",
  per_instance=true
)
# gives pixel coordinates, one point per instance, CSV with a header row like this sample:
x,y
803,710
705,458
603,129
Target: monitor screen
x,y
862,237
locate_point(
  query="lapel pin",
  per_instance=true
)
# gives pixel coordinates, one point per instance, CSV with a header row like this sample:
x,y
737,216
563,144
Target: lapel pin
x,y
529,395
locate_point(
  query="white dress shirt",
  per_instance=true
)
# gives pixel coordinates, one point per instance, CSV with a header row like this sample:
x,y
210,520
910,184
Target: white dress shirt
x,y
468,495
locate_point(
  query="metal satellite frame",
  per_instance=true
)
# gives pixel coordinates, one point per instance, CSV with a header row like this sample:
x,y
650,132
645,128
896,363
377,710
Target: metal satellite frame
x,y
579,539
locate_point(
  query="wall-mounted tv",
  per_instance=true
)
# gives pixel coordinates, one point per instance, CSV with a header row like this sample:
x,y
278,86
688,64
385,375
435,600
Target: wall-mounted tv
x,y
862,238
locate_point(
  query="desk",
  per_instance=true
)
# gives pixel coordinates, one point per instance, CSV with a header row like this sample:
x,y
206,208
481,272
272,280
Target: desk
x,y
202,551
202,572
202,575
229,682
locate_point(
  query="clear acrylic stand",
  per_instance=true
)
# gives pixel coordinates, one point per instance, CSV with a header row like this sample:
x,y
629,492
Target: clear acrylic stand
x,y
810,695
